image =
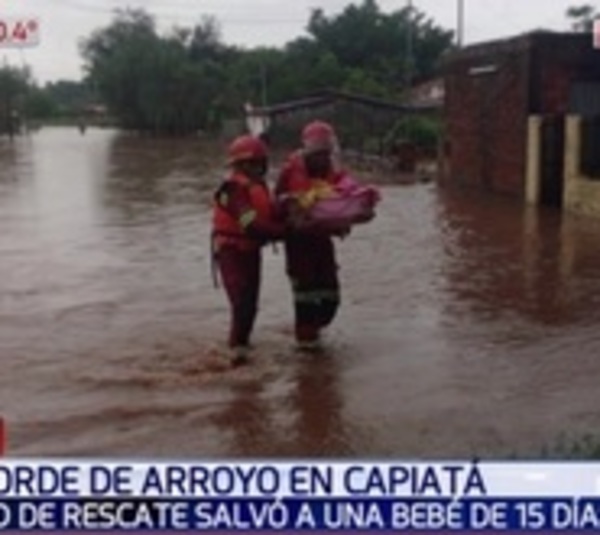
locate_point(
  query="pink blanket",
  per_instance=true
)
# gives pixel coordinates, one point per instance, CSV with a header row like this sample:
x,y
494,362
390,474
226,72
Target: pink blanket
x,y
352,203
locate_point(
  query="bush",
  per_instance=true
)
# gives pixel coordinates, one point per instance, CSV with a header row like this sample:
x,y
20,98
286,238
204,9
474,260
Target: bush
x,y
423,132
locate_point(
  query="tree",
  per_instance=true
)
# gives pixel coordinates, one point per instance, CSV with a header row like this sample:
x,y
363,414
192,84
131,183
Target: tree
x,y
364,38
14,83
39,105
189,80
21,99
68,98
119,59
582,17
160,84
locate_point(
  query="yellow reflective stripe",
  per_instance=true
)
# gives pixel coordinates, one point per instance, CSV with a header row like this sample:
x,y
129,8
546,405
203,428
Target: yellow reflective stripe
x,y
247,218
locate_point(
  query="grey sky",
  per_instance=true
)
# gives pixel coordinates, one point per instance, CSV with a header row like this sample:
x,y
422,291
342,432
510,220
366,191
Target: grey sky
x,y
252,22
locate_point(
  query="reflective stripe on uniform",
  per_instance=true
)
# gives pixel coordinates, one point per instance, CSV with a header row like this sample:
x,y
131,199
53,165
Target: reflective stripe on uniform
x,y
247,218
223,199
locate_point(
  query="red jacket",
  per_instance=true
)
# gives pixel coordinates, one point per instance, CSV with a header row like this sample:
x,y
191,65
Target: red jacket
x,y
244,215
310,253
294,177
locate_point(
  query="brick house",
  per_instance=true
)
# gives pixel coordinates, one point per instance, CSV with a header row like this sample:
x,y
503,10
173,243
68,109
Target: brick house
x,y
491,91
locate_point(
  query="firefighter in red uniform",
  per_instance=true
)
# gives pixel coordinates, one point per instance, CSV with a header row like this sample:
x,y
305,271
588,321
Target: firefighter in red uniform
x,y
310,251
244,220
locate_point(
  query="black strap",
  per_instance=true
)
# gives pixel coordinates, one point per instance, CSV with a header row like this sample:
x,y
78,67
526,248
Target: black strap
x,y
213,261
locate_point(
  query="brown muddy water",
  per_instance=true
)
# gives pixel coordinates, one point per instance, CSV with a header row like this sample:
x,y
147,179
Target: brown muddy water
x,y
469,325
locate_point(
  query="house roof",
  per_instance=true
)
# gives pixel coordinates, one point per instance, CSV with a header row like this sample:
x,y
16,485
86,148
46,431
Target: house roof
x,y
515,43
328,96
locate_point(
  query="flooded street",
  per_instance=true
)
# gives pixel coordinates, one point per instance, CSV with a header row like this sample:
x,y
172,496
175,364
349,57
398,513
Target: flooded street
x,y
469,325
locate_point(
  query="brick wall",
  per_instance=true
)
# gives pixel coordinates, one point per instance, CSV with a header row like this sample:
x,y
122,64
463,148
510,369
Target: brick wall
x,y
562,60
554,88
486,114
486,117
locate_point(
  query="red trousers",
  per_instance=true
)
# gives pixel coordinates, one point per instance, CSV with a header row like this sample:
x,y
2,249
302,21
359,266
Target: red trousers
x,y
312,268
240,273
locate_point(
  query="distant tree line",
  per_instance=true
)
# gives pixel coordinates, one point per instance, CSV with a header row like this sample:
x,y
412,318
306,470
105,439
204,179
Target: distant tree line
x,y
189,80
13,86
24,103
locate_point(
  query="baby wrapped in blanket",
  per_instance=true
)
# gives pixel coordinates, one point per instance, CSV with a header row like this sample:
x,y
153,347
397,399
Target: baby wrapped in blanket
x,y
343,204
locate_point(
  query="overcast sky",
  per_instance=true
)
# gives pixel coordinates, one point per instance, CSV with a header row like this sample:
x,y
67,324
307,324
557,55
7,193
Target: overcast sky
x,y
251,22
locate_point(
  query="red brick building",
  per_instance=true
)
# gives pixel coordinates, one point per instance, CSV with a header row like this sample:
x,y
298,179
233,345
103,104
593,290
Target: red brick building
x,y
492,89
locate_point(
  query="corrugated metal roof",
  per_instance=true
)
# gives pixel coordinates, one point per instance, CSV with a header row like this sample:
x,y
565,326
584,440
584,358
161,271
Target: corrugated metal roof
x,y
331,96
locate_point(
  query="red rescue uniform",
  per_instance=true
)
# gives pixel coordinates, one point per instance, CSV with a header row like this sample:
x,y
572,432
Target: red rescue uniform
x,y
310,259
244,220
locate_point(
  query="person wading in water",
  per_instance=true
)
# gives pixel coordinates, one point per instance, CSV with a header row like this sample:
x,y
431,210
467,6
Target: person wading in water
x,y
244,220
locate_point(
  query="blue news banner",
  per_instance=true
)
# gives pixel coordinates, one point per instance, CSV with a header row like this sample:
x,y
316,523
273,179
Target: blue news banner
x,y
302,496
302,515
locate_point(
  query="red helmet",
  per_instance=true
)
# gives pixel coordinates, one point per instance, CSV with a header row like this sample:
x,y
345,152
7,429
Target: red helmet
x,y
246,147
318,135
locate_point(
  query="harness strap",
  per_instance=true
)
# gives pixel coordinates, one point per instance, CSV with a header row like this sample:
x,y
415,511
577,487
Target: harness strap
x,y
213,261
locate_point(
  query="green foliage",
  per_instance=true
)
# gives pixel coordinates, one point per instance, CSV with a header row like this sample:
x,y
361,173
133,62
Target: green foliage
x,y
361,81
189,80
424,132
22,100
14,83
582,17
66,98
366,39
39,105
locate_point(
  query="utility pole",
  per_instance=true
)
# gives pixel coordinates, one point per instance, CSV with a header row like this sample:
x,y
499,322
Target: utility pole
x,y
409,45
5,93
263,84
460,22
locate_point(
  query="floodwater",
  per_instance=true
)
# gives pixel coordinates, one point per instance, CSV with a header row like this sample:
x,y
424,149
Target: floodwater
x,y
469,325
